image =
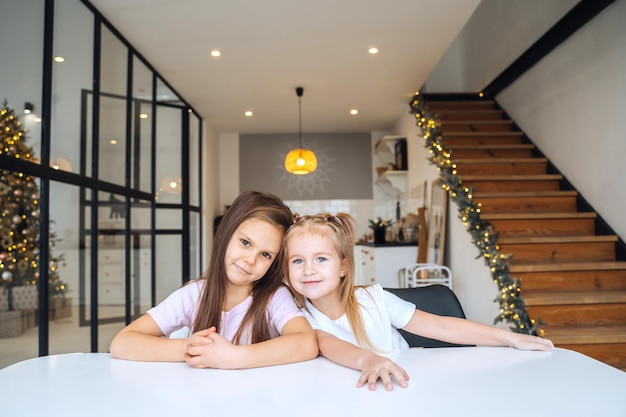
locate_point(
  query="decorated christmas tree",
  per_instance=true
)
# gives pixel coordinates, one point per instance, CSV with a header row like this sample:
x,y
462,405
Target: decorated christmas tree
x,y
19,216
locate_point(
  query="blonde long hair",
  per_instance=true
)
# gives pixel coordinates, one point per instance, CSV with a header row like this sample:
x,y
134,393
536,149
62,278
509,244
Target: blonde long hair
x,y
341,229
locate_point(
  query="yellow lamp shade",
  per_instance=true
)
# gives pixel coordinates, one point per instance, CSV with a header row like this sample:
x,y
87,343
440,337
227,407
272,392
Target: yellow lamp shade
x,y
300,162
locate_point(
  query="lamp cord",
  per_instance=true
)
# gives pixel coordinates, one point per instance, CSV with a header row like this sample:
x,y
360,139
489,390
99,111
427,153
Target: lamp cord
x,y
300,119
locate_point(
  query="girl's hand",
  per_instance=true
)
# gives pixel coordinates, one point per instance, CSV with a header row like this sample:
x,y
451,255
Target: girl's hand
x,y
209,349
528,342
376,367
201,337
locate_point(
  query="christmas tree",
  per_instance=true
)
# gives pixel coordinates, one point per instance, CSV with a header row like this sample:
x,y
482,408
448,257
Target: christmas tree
x,y
19,216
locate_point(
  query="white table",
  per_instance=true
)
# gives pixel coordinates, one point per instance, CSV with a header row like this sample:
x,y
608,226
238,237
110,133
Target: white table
x,y
475,381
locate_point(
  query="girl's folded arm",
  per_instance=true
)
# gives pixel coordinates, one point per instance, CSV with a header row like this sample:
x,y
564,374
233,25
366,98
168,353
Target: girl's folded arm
x,y
296,343
142,340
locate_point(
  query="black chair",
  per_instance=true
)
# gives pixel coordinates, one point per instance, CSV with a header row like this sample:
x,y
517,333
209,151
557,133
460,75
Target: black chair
x,y
436,299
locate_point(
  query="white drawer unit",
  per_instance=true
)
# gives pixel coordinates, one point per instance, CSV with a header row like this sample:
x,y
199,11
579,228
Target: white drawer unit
x,y
381,264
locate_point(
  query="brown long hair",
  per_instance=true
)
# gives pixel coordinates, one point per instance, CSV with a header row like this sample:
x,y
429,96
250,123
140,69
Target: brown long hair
x,y
341,229
249,204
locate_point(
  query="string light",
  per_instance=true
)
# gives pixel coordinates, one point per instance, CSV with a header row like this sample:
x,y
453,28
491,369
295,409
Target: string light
x,y
512,305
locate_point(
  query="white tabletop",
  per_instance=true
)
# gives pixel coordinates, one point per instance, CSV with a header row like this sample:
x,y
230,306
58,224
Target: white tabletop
x,y
475,381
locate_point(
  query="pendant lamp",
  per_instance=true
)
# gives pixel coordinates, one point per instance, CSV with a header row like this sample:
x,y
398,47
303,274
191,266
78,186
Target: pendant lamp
x,y
300,161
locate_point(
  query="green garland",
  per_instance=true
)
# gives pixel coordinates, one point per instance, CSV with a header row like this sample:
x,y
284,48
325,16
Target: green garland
x,y
512,305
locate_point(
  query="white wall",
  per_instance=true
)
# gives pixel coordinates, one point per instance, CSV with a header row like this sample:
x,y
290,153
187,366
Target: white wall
x,y
211,189
571,104
497,33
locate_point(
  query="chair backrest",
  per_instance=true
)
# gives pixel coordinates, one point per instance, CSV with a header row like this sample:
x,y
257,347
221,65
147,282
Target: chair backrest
x,y
436,299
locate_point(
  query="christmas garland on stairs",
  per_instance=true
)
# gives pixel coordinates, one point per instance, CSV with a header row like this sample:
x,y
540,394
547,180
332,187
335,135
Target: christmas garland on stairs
x,y
512,305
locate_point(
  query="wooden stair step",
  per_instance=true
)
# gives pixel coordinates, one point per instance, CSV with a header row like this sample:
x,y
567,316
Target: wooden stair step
x,y
501,166
495,178
516,150
570,280
476,126
561,297
512,205
579,314
539,216
469,114
527,240
515,134
585,334
477,161
505,138
559,249
512,183
461,146
524,194
542,225
529,205
436,106
567,266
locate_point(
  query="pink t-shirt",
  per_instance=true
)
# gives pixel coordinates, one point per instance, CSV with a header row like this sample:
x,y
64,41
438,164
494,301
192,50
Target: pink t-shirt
x,y
179,310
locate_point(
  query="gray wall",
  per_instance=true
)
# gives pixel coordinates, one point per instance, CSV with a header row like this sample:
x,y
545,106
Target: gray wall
x,y
344,166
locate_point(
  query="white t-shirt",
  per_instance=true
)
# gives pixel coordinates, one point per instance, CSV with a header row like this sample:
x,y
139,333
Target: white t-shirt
x,y
382,313
179,309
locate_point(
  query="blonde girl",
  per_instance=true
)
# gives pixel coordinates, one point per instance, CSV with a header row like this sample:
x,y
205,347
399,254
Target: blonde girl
x,y
355,324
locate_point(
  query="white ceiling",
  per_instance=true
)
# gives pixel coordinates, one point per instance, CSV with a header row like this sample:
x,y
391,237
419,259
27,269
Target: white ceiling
x,y
270,47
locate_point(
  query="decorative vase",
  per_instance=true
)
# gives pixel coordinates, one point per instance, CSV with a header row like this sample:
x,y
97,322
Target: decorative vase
x,y
379,235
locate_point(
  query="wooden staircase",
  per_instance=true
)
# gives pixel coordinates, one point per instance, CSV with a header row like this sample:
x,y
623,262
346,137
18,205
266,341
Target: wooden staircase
x,y
565,256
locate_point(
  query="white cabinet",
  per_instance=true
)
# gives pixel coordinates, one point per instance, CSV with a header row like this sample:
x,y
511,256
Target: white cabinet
x,y
110,275
392,181
382,264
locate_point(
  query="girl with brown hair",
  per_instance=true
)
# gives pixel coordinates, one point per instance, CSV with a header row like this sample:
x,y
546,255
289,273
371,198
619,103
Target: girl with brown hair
x,y
240,313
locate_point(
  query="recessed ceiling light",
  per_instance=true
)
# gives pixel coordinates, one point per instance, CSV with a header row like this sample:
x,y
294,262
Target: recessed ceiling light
x,y
248,113
59,59
373,50
37,120
354,111
143,116
113,141
215,53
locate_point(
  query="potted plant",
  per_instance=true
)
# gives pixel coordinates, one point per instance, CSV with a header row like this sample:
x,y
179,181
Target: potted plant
x,y
379,226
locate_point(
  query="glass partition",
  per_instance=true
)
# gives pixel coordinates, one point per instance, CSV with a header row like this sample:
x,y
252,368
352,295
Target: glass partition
x,y
141,265
112,140
168,155
142,118
168,274
113,64
72,73
116,242
21,49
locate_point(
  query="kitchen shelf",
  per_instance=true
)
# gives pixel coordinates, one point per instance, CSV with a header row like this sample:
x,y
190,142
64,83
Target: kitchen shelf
x,y
385,148
393,182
